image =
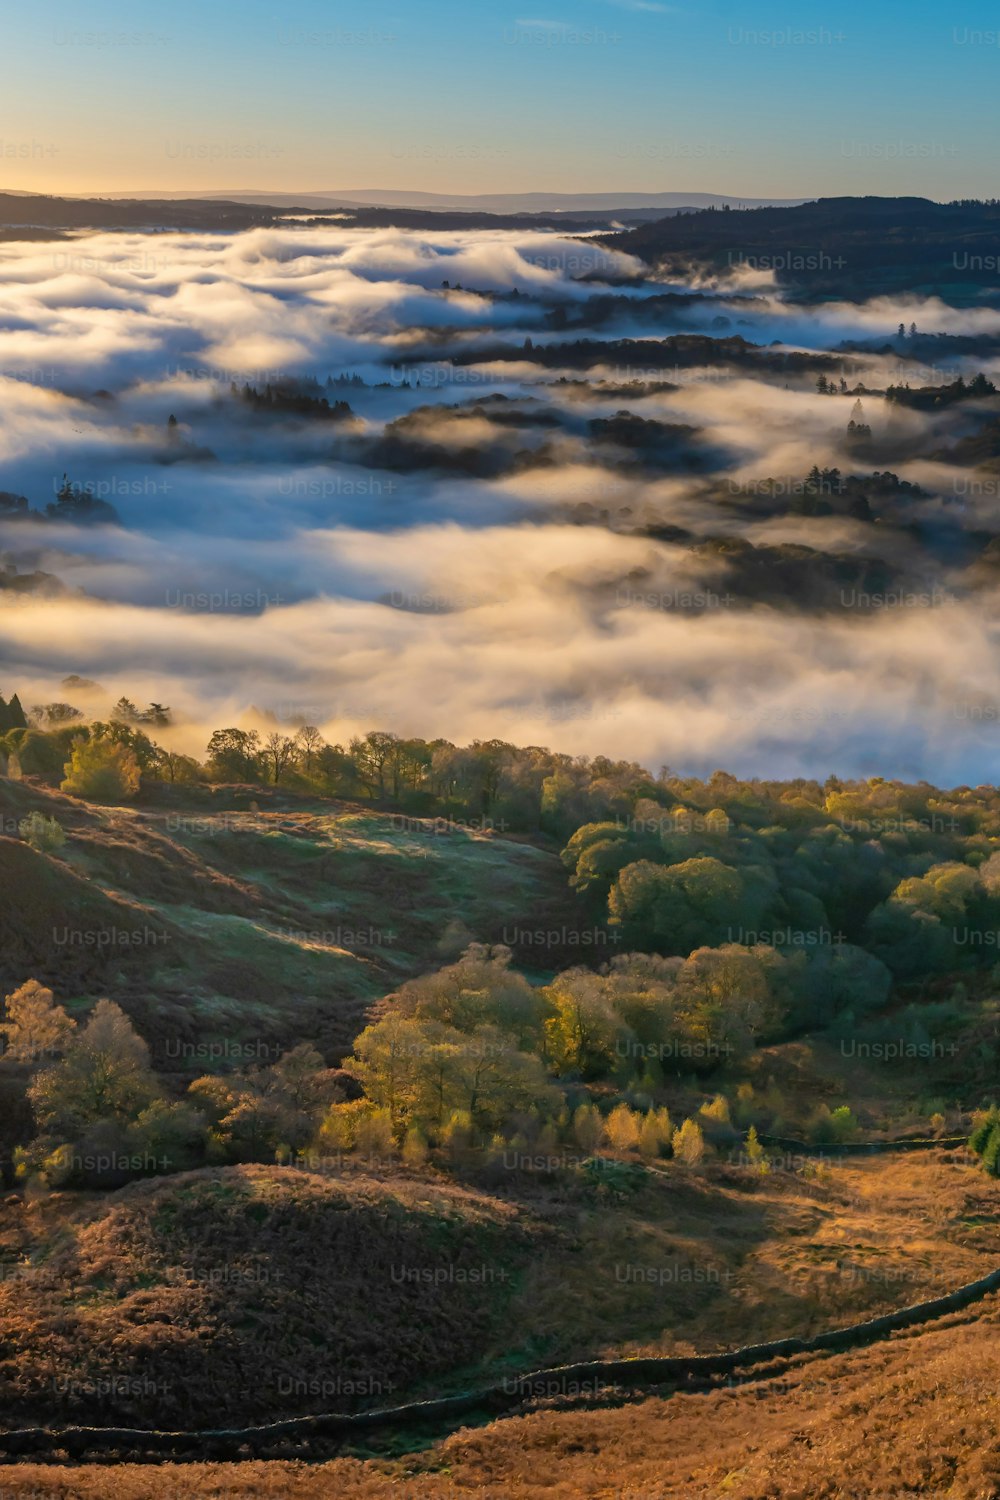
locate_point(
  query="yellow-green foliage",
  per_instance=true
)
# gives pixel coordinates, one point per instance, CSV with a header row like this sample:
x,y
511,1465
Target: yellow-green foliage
x,y
689,1144
101,771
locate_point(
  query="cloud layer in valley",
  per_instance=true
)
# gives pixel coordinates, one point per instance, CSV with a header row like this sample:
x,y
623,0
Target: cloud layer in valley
x,y
281,564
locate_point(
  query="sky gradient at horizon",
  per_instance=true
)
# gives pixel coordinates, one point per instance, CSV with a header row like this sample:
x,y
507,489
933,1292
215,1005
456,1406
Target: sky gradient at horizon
x,y
763,100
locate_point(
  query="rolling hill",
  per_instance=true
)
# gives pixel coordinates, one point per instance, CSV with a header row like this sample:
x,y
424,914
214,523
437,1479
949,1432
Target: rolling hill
x,y
252,916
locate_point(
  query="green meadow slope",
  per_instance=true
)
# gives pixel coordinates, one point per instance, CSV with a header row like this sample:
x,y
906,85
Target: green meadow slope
x,y
243,916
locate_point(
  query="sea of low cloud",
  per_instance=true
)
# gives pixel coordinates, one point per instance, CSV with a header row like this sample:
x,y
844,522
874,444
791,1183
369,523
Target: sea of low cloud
x,y
260,577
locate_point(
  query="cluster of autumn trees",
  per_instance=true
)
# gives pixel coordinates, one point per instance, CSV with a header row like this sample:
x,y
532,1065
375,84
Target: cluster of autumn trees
x,y
476,1050
471,1058
522,788
472,1062
102,1114
489,780
855,884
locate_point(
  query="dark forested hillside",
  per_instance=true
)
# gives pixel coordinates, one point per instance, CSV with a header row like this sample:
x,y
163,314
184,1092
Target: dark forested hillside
x,y
846,247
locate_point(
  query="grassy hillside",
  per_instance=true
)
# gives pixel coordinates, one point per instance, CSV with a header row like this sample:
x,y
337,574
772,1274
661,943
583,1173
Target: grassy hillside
x,y
241,915
699,1262
260,1292
247,1292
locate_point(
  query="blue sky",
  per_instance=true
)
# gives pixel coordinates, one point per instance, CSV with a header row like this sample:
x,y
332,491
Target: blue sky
x,y
769,99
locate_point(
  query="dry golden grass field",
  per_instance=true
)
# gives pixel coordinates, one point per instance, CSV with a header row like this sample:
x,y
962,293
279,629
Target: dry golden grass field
x,y
912,1416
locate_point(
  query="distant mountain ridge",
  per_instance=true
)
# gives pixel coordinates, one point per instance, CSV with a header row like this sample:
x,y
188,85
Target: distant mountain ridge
x,y
45,216
44,213
498,203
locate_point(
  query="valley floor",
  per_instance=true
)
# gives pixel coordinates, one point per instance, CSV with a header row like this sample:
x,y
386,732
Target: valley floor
x,y
913,1417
